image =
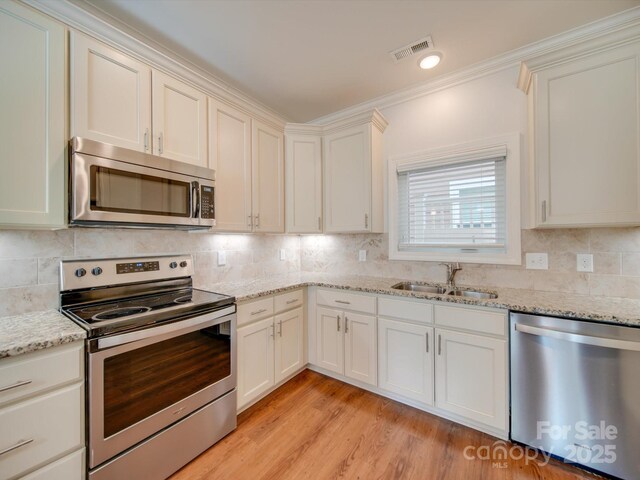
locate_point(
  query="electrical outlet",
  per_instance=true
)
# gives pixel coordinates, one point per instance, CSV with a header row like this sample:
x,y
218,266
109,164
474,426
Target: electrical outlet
x,y
537,261
283,254
585,262
222,258
362,255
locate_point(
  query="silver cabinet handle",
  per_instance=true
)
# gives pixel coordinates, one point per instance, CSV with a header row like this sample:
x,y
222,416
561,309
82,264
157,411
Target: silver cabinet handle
x,y
146,139
160,145
319,223
338,322
344,302
262,310
273,330
439,344
366,220
544,210
280,329
249,221
19,383
578,338
346,324
21,443
427,338
258,220
292,301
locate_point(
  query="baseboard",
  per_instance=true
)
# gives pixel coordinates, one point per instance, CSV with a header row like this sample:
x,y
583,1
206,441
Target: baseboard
x,y
271,390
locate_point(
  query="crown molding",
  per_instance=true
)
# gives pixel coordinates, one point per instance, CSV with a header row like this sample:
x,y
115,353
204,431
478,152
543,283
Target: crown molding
x,y
619,24
302,129
370,116
88,19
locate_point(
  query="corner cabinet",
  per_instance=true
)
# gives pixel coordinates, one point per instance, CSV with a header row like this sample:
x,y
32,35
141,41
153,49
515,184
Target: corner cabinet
x,y
353,174
585,136
33,121
303,178
267,178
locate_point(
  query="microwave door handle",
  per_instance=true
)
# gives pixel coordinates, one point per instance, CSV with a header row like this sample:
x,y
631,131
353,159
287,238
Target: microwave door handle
x,y
195,200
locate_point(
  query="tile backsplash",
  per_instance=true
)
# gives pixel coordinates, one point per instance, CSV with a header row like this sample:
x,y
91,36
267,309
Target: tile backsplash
x,y
616,256
29,260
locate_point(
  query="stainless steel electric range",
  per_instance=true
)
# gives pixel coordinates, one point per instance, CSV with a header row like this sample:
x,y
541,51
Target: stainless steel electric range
x,y
160,363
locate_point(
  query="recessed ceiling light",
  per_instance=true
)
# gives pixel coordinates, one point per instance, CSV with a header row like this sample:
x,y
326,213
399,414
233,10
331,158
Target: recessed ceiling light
x,y
430,61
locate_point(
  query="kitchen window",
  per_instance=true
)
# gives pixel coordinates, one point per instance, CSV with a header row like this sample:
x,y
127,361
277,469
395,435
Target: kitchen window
x,y
457,204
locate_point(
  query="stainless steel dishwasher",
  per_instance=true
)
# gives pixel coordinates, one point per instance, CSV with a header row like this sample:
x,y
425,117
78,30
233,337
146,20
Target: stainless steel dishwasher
x,y
575,391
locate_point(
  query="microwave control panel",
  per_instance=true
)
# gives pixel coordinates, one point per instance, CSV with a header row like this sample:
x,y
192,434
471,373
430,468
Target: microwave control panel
x,y
207,209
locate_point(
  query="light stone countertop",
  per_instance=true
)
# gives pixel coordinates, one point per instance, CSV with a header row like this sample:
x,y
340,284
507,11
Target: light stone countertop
x,y
35,331
603,309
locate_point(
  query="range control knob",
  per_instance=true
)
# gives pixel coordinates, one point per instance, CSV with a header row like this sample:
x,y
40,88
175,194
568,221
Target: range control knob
x,y
183,263
173,265
81,272
96,271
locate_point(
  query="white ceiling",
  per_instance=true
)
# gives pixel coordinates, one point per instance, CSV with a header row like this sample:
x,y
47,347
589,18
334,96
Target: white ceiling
x,y
309,58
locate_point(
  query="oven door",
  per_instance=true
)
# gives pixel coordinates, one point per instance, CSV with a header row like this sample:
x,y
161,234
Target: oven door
x,y
114,192
141,382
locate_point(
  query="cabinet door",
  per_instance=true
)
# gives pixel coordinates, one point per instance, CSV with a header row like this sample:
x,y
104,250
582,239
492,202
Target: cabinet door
x,y
267,170
32,120
587,140
255,360
289,344
360,349
347,179
110,95
406,365
230,157
330,339
303,159
179,120
471,377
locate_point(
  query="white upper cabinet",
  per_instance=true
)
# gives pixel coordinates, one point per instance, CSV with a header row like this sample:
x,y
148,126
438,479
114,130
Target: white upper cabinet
x,y
267,167
585,148
303,168
353,174
179,120
230,157
33,120
111,95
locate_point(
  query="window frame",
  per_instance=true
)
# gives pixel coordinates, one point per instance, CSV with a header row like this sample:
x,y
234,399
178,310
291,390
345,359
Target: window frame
x,y
460,153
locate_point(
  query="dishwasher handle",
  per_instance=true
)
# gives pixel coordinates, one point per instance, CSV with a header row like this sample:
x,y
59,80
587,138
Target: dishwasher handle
x,y
578,338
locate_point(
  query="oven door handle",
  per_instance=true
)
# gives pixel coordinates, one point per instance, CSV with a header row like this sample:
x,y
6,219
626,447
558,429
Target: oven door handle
x,y
195,323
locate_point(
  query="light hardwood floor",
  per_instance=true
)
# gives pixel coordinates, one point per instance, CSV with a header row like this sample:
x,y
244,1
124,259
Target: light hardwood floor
x,y
315,427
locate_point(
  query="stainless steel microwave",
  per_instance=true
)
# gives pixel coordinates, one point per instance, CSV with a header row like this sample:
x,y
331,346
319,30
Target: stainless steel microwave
x,y
118,187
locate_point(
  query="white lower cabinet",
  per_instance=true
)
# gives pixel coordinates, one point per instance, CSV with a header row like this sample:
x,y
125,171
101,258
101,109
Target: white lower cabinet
x,y
270,349
405,353
346,344
471,377
42,416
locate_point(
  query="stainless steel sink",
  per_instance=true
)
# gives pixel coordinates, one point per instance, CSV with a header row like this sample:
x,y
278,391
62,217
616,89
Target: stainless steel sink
x,y
474,294
419,287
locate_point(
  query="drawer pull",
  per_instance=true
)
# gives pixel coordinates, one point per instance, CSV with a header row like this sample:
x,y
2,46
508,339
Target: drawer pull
x,y
19,383
292,301
262,310
344,302
21,443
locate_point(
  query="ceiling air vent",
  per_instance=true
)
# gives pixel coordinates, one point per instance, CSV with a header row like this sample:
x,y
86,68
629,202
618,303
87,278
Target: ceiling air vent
x,y
412,48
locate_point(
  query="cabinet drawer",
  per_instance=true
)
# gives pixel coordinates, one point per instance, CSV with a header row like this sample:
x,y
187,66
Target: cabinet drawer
x,y
416,311
51,424
70,467
31,373
348,301
289,300
255,310
481,321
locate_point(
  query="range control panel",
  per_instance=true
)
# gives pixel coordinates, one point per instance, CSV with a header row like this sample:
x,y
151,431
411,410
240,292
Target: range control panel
x,y
207,208
134,267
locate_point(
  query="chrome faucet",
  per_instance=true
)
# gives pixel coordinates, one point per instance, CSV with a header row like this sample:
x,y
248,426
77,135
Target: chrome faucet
x,y
452,269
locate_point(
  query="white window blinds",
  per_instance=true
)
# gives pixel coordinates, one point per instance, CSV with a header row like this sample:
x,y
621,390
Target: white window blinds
x,y
456,207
